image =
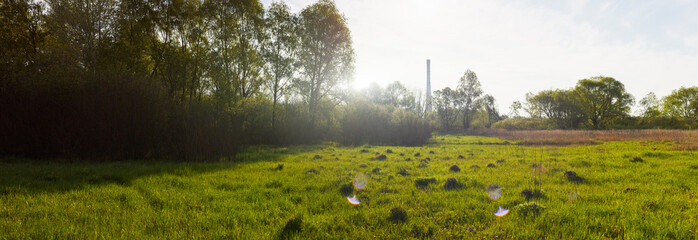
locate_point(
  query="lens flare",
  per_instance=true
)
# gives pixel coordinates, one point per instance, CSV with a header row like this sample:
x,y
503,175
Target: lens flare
x,y
360,181
353,200
501,212
494,191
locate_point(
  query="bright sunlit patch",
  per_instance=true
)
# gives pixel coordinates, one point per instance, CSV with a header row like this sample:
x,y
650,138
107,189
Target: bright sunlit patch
x,y
494,191
353,200
360,181
501,212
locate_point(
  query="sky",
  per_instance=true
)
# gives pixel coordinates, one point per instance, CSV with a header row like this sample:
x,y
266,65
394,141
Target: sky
x,y
516,47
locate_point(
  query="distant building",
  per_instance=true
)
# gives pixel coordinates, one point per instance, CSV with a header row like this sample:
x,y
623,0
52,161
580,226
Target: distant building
x,y
428,100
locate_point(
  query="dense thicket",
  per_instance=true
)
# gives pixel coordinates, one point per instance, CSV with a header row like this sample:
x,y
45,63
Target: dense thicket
x,y
182,79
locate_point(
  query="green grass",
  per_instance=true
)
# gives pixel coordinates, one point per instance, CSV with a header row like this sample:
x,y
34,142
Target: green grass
x,y
290,193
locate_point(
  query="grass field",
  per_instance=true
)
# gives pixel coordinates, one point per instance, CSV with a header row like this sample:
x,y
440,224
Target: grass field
x,y
635,189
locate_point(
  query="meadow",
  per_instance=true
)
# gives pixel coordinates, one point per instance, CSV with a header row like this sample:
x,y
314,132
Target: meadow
x,y
628,188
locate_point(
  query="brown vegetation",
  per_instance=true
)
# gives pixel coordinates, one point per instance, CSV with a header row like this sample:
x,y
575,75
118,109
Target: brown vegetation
x,y
686,139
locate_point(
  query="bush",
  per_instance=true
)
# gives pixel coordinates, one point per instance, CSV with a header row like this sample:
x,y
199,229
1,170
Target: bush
x,y
376,124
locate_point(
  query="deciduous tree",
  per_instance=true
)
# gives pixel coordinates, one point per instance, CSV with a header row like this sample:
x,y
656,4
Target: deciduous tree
x,y
280,51
682,103
326,54
602,99
469,91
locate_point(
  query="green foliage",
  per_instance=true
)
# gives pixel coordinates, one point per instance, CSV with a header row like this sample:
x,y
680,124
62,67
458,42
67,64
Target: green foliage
x,y
560,106
326,55
651,106
445,103
465,103
367,123
602,100
173,79
602,103
468,92
682,103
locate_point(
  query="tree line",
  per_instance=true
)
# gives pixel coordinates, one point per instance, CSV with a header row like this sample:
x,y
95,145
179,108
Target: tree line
x,y
593,103
457,109
603,103
182,79
199,79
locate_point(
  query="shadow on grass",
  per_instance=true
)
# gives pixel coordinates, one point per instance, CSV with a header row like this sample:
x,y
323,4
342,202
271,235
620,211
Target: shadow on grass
x,y
30,176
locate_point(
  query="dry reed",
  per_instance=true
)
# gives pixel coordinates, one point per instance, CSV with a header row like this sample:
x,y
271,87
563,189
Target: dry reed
x,y
687,139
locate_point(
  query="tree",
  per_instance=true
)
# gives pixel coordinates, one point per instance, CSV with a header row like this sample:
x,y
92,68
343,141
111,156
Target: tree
x,y
179,48
558,105
420,104
23,37
134,36
602,100
515,108
488,103
468,90
326,55
682,103
375,93
444,101
82,29
280,51
397,95
651,106
236,28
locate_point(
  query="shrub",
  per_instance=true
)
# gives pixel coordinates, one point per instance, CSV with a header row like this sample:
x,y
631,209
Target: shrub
x,y
365,122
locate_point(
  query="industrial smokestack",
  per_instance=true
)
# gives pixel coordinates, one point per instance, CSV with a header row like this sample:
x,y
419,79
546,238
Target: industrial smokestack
x,y
428,100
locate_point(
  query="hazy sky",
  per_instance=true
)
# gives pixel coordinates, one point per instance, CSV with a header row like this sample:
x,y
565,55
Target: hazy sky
x,y
517,47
